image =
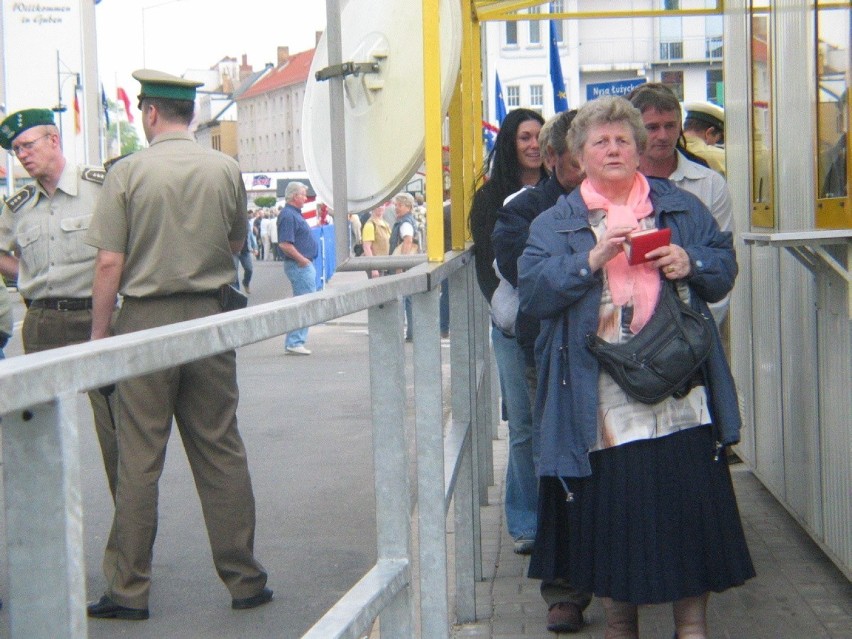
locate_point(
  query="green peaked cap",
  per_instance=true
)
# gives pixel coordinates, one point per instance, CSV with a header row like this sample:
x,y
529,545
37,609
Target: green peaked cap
x,y
20,121
156,84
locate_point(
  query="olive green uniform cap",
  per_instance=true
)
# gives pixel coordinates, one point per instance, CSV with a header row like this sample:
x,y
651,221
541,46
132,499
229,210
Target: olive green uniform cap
x,y
156,84
20,121
709,114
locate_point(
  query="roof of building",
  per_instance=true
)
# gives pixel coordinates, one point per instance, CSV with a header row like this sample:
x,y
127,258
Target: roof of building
x,y
294,71
250,80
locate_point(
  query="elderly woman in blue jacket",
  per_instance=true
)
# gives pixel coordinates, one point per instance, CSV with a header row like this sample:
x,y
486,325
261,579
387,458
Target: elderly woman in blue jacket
x,y
635,501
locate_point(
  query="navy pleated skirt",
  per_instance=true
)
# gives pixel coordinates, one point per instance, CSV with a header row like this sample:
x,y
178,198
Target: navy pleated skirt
x,y
656,521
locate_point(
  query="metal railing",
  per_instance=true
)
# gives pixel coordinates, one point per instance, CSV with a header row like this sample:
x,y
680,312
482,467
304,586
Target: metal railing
x,y
42,468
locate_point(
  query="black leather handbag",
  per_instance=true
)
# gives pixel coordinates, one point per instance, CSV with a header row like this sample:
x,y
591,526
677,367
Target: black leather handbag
x,y
663,359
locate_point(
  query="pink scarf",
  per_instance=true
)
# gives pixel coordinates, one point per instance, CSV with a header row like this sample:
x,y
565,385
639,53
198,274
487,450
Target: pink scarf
x,y
640,283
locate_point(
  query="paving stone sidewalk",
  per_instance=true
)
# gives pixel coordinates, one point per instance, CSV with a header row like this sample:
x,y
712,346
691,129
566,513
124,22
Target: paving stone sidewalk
x,y
797,594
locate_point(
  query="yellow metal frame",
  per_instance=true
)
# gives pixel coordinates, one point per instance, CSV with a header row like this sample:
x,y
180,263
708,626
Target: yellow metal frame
x,y
836,213
507,10
762,213
465,113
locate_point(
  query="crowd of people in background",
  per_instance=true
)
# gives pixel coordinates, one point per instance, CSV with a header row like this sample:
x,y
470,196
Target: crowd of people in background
x,y
611,497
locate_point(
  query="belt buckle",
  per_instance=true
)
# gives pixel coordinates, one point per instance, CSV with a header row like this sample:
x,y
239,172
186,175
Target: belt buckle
x,y
62,305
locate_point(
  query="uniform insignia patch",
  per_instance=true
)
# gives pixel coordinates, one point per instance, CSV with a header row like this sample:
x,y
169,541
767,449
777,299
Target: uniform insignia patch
x,y
21,197
108,164
93,174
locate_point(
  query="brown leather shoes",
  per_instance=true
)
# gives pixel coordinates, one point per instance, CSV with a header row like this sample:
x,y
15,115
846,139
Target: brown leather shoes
x,y
564,617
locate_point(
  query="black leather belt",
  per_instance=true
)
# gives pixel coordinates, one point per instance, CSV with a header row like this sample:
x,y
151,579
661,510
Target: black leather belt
x,y
168,296
64,304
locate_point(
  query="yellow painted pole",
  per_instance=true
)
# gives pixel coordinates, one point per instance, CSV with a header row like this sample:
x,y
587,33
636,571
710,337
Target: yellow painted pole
x,y
457,167
434,117
471,107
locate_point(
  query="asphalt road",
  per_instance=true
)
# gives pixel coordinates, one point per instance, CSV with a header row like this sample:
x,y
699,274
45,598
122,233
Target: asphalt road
x,y
306,425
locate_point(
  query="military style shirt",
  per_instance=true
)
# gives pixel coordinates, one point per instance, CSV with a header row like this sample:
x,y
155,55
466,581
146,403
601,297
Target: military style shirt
x,y
713,155
172,210
49,232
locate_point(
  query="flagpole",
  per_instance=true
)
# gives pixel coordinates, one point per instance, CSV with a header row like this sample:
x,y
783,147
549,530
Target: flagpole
x,y
117,122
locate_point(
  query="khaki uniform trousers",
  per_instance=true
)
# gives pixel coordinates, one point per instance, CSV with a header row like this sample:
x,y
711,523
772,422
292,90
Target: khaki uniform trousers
x,y
202,397
45,329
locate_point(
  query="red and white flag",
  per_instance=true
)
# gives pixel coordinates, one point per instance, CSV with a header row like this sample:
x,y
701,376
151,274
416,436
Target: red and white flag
x,y
122,96
77,127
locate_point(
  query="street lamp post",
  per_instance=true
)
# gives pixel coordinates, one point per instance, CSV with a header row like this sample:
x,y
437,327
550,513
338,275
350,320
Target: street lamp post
x,y
61,78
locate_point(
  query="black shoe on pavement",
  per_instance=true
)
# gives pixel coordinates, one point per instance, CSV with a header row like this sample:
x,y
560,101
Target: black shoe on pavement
x,y
106,608
564,617
264,596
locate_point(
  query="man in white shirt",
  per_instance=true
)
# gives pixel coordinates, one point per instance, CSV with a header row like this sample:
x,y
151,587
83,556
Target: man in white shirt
x,y
265,240
664,158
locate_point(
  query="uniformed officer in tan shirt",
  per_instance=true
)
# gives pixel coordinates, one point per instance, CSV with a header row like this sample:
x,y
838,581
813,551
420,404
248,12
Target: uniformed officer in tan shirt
x,y
169,220
42,227
704,129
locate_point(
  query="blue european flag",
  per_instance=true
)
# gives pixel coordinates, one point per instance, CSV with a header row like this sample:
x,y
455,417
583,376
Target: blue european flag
x,y
560,97
499,103
488,139
105,106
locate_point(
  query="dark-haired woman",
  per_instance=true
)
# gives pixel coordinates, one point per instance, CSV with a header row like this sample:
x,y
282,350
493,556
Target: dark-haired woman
x,y
514,162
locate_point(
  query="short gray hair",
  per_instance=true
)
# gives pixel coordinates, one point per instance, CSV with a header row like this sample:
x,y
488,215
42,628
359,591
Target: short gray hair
x,y
405,198
604,110
557,135
293,188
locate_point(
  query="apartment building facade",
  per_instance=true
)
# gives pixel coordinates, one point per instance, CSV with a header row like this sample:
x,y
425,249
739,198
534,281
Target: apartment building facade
x,y
270,116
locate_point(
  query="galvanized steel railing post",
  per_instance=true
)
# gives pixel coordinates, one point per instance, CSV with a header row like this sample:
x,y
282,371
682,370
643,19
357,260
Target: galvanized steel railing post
x,y
44,521
463,372
428,410
390,455
485,424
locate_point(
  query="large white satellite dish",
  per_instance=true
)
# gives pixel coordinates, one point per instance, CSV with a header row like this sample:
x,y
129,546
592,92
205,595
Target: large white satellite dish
x,y
383,110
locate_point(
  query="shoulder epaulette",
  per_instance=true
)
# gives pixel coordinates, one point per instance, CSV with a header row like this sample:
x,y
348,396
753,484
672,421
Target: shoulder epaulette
x,y
21,197
108,164
94,174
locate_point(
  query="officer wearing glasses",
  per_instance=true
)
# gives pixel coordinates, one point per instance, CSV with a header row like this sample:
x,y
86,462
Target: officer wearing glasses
x,y
42,227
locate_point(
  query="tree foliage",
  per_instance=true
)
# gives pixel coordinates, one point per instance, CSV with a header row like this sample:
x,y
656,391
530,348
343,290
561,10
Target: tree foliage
x,y
129,137
265,201
129,142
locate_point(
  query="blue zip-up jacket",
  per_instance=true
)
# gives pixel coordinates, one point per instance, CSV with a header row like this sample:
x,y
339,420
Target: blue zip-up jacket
x,y
556,285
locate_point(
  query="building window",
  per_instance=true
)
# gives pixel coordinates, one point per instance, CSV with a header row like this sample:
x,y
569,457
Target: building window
x,y
713,31
671,33
511,33
671,50
537,97
713,48
535,26
674,81
557,7
715,87
513,96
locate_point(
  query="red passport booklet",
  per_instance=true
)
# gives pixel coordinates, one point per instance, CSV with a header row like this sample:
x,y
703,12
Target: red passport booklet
x,y
641,242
